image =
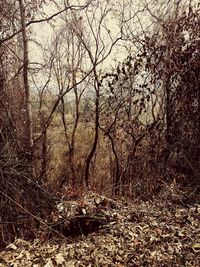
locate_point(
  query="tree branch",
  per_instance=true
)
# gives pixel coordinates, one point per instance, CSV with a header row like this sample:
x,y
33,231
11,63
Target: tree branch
x,y
44,20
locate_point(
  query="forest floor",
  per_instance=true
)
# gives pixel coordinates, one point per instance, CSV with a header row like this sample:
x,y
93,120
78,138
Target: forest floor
x,y
161,232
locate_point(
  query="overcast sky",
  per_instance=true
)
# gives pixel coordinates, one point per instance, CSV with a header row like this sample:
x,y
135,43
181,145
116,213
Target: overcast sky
x,y
43,32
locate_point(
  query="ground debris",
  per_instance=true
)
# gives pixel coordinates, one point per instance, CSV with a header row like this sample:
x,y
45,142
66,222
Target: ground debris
x,y
83,215
145,234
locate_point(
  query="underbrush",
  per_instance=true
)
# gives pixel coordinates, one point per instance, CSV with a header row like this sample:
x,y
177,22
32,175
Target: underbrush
x,y
159,232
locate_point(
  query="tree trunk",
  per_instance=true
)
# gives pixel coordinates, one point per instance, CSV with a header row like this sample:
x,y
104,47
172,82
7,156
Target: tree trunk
x,y
29,130
94,146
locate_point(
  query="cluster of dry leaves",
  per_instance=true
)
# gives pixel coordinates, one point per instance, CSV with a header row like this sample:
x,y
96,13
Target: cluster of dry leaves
x,y
147,234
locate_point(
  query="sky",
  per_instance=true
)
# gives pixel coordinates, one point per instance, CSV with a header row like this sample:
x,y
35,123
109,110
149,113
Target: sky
x,y
43,32
139,23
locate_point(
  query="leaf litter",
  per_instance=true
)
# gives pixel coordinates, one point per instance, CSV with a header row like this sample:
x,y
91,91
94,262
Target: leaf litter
x,y
154,233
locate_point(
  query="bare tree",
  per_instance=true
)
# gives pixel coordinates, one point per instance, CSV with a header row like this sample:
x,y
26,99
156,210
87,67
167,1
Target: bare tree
x,y
67,69
98,42
29,123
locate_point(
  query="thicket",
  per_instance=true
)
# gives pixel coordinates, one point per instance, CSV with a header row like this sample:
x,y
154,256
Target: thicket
x,y
126,132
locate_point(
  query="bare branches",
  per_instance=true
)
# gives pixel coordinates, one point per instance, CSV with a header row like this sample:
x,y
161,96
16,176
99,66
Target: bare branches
x,y
67,7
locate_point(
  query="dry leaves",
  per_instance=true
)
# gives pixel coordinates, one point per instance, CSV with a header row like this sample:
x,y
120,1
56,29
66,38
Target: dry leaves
x,y
148,234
